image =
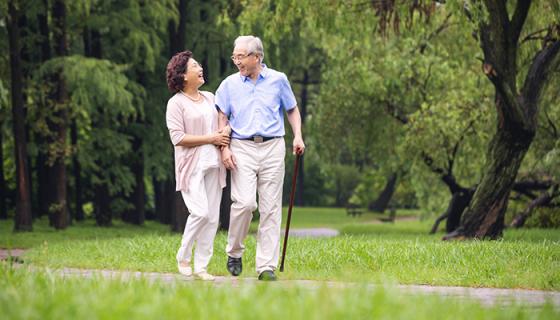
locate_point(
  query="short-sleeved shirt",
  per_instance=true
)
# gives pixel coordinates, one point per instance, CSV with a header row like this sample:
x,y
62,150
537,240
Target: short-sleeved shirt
x,y
256,108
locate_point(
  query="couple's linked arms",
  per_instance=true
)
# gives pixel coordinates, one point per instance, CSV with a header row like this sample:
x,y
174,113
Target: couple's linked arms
x,y
219,138
294,118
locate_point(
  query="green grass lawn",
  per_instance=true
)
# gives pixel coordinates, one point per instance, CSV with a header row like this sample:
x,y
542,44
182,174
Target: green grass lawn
x,y
34,295
401,252
305,217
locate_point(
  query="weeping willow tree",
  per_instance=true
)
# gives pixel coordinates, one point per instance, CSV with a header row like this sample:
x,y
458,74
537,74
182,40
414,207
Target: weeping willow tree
x,y
519,72
416,62
384,83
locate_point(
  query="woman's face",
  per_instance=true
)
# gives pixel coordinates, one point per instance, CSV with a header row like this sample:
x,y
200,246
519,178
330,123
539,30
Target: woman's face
x,y
194,75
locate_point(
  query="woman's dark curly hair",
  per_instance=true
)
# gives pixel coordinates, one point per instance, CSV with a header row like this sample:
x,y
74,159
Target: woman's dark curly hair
x,y
176,69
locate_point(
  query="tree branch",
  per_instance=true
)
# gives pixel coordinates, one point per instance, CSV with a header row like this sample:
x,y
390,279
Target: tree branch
x,y
457,145
531,185
518,20
532,35
544,63
553,129
446,175
438,221
395,112
544,199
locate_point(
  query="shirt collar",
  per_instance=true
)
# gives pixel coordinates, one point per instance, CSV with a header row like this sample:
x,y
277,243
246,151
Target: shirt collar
x,y
262,75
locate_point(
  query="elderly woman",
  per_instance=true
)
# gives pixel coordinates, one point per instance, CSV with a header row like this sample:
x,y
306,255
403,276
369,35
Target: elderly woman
x,y
192,120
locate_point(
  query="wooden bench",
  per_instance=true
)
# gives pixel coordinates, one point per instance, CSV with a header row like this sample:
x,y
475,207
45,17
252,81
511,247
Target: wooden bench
x,y
353,210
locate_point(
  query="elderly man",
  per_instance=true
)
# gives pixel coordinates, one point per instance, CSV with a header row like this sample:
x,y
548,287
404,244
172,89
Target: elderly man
x,y
253,100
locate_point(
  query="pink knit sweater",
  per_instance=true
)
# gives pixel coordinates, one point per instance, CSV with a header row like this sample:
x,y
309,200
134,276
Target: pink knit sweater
x,y
183,117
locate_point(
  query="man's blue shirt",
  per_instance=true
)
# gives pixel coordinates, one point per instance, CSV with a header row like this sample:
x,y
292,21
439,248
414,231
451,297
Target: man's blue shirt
x,y
256,108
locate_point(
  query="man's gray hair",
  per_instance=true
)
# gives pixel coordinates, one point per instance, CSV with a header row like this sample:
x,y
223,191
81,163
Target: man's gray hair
x,y
253,44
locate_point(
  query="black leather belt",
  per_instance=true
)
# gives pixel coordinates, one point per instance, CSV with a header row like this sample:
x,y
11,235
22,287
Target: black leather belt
x,y
259,139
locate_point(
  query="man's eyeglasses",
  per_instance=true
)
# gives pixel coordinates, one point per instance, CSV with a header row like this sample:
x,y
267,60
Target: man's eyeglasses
x,y
241,56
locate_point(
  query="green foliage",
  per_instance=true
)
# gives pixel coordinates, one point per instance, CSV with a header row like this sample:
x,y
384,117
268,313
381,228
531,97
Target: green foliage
x,y
316,191
101,99
544,218
385,87
370,80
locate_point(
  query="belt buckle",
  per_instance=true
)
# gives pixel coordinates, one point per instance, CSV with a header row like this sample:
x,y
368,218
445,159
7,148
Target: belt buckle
x,y
258,139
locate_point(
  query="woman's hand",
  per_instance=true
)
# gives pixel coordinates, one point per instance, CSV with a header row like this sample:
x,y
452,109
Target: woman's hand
x,y
220,139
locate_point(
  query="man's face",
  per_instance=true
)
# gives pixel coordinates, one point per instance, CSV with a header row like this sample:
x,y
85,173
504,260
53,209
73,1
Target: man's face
x,y
247,62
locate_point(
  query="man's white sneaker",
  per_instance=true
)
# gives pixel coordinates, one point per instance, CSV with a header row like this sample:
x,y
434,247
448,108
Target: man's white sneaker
x,y
205,276
186,271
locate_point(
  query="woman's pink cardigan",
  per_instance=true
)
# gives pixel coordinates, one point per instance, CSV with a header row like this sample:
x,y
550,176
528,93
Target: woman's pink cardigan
x,y
183,117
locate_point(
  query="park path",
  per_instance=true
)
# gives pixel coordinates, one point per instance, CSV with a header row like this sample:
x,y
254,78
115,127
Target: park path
x,y
485,296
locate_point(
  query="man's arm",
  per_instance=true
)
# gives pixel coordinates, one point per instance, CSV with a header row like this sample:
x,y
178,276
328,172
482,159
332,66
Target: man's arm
x,y
295,122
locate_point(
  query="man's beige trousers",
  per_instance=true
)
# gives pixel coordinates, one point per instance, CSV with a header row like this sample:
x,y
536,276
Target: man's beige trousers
x,y
260,168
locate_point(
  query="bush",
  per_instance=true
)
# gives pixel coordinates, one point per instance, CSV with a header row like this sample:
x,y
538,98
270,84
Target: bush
x,y
544,218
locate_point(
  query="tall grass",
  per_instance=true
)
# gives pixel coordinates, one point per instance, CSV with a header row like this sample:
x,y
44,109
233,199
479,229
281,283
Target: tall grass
x,y
28,295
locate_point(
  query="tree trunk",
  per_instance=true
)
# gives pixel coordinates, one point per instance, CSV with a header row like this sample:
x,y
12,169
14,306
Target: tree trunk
x,y
138,216
299,198
23,218
484,218
77,168
161,205
102,197
43,180
25,63
177,33
58,209
181,213
3,191
382,202
225,204
177,38
517,113
459,201
102,203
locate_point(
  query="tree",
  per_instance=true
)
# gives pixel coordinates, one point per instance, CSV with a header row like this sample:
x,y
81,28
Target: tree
x,y
517,105
58,123
23,219
43,169
3,183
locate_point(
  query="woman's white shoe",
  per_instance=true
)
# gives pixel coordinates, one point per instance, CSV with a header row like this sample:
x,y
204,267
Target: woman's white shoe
x,y
185,270
205,276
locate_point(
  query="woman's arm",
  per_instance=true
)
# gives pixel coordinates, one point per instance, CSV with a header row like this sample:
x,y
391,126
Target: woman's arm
x,y
217,138
174,119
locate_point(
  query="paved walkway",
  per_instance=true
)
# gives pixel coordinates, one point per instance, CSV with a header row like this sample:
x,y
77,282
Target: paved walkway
x,y
485,296
314,233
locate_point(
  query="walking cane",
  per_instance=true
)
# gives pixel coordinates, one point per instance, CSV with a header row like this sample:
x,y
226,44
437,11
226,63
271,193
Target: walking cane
x,y
293,191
